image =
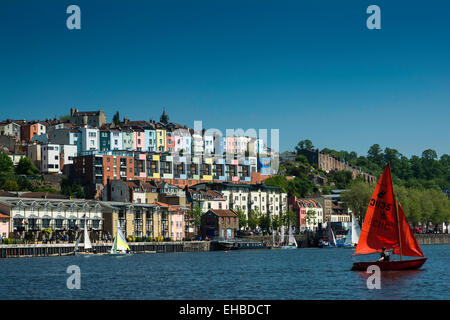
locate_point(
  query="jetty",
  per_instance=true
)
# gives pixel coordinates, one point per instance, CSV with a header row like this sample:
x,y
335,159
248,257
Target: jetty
x,y
52,250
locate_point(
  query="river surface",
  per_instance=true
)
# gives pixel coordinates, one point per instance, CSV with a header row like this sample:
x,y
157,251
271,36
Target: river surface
x,y
311,273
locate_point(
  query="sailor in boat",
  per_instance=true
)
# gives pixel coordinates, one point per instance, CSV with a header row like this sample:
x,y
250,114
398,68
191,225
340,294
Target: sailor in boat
x,y
384,255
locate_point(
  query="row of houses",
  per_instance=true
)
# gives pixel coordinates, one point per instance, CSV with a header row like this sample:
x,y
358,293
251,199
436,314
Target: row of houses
x,y
94,170
159,210
22,218
89,131
67,216
159,150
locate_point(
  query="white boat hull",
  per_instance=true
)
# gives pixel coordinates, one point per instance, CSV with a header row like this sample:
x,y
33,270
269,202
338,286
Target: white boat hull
x,y
288,247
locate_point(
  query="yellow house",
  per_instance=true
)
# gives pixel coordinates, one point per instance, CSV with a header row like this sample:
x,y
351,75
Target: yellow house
x,y
161,140
137,220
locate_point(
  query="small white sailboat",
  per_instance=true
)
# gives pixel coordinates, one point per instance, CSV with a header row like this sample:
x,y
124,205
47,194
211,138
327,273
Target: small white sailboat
x,y
331,243
87,243
274,245
353,234
120,246
292,244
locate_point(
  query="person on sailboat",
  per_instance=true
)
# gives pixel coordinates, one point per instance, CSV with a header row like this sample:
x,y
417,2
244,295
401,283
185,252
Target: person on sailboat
x,y
384,255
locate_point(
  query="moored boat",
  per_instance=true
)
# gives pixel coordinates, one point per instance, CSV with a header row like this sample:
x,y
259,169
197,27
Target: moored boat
x,y
87,243
120,246
352,237
292,243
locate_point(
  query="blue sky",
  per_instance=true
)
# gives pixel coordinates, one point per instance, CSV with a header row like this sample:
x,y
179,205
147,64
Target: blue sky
x,y
308,68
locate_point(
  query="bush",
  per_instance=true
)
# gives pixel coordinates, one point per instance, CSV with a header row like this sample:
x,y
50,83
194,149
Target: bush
x,y
138,239
12,241
149,239
11,185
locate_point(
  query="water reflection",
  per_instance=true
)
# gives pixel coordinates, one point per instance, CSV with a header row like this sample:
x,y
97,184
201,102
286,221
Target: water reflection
x,y
394,284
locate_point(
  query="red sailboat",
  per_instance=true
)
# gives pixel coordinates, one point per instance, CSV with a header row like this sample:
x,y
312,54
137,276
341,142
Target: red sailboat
x,y
385,225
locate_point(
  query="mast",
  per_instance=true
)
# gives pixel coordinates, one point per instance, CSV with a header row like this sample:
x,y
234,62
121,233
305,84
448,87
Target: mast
x,y
396,215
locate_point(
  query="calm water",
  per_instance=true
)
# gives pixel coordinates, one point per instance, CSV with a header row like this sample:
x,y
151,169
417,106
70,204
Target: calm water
x,y
247,274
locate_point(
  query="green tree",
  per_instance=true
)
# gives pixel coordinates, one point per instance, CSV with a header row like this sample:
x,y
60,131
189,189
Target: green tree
x,y
276,222
6,164
310,216
375,155
26,167
253,219
116,119
357,198
196,214
301,159
11,185
304,144
289,218
71,189
265,222
242,218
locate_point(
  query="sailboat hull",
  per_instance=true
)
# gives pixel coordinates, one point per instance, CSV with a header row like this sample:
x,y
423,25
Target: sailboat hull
x,y
288,247
390,265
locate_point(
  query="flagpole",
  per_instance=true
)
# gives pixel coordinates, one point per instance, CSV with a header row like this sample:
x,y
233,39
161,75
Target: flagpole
x,y
396,215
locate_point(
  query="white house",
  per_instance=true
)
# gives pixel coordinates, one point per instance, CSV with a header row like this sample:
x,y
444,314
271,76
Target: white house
x,y
50,158
89,139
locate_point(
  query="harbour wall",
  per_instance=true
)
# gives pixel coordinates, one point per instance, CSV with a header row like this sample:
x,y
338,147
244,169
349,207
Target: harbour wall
x,y
51,250
310,240
433,238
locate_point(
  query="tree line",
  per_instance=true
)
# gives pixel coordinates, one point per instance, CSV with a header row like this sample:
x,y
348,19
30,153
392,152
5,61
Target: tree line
x,y
27,177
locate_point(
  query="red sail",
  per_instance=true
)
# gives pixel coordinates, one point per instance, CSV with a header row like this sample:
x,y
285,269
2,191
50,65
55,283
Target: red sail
x,y
380,224
410,247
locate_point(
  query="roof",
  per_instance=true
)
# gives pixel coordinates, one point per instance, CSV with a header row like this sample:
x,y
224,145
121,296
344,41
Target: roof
x,y
223,213
44,195
4,216
86,113
169,206
7,194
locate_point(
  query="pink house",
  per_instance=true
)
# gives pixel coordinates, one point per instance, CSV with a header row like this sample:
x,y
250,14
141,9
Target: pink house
x,y
170,142
300,210
177,223
138,140
4,226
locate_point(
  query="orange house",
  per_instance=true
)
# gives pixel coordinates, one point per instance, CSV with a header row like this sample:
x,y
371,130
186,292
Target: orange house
x,y
30,129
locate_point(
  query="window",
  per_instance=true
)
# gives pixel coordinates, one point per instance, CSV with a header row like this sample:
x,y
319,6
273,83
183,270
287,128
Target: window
x,y
56,157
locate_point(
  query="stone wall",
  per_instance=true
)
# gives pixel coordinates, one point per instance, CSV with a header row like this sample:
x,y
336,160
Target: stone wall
x,y
433,238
